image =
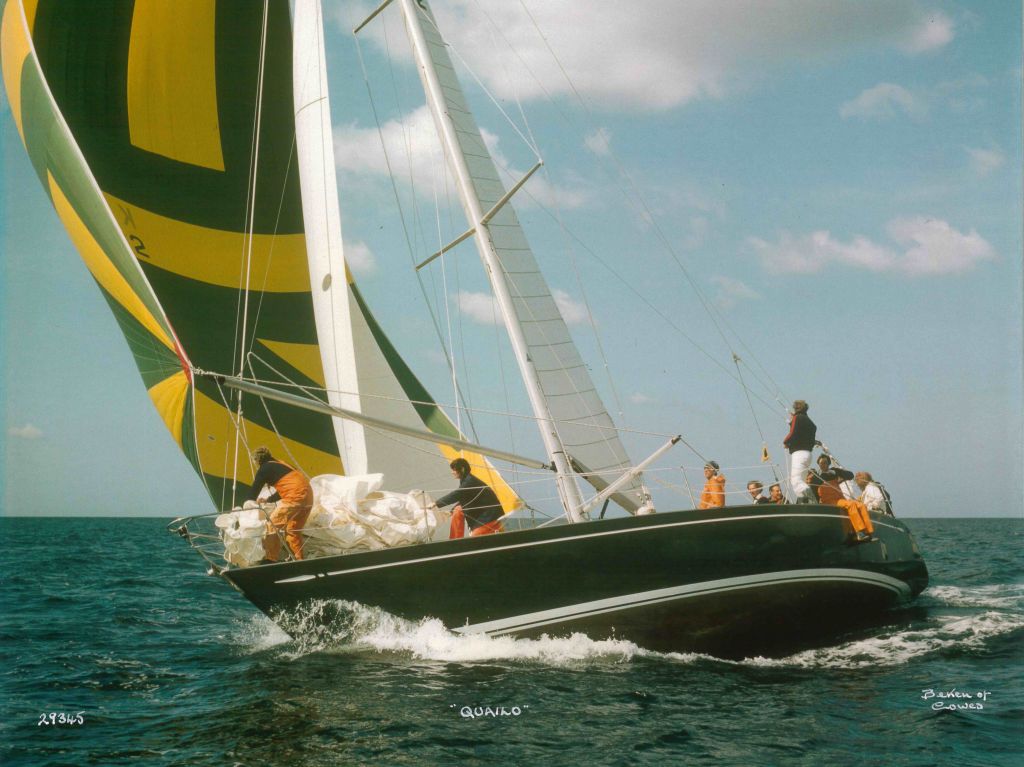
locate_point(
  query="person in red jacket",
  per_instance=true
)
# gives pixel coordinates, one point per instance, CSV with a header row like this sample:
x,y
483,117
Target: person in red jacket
x,y
295,500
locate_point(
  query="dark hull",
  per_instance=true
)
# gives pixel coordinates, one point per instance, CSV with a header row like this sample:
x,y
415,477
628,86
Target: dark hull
x,y
736,581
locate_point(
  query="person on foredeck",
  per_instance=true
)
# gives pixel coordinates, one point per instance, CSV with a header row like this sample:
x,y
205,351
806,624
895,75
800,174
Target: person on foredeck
x,y
775,495
828,481
800,441
295,500
754,488
476,504
713,495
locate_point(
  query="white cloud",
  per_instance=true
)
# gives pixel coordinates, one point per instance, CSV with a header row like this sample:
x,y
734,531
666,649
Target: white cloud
x,y
359,258
482,308
730,292
479,307
932,33
934,247
599,141
639,398
411,142
985,161
926,246
884,101
660,54
573,312
28,431
415,153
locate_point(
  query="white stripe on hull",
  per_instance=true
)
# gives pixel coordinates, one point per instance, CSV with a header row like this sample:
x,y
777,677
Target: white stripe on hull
x,y
645,528
690,590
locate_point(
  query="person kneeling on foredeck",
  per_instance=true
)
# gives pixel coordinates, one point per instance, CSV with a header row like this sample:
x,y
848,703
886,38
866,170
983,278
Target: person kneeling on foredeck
x,y
296,501
475,504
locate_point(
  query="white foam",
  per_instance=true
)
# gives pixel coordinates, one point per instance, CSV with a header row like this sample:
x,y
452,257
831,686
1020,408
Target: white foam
x,y
258,633
998,596
898,648
348,627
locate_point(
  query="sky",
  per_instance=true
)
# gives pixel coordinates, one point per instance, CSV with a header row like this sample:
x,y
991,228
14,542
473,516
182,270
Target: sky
x,y
830,191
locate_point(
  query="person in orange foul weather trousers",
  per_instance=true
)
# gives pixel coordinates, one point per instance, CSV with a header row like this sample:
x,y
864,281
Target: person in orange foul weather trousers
x,y
475,504
295,501
713,495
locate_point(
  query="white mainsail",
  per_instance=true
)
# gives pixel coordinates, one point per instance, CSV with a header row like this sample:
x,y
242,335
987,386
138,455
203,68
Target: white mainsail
x,y
364,373
569,401
322,219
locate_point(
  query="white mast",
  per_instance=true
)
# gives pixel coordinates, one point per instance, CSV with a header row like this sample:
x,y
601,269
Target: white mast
x,y
567,488
327,272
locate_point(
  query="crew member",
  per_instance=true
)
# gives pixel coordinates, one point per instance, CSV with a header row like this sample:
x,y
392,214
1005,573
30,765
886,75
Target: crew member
x,y
872,494
476,504
800,441
713,495
295,501
827,482
754,488
775,494
860,519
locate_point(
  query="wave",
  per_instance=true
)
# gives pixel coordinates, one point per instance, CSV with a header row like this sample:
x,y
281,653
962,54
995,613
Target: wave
x,y
348,627
949,633
995,596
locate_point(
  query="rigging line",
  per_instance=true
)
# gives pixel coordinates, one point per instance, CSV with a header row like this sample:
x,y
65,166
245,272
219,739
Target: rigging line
x,y
401,211
447,311
533,144
251,216
746,391
239,425
195,446
505,391
639,197
484,88
273,425
441,406
772,391
277,223
648,303
250,211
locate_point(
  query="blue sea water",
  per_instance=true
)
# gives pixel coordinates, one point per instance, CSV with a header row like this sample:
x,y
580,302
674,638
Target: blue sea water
x,y
113,623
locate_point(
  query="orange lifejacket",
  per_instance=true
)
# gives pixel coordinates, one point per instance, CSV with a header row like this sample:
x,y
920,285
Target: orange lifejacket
x,y
713,496
829,492
293,487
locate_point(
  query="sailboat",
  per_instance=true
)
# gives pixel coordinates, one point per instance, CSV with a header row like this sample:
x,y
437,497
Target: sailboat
x,y
186,147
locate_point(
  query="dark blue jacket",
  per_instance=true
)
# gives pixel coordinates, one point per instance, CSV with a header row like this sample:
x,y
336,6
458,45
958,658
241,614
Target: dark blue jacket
x,y
801,433
479,503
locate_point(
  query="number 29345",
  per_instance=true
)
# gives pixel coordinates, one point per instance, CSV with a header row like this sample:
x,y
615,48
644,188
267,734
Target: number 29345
x,y
59,717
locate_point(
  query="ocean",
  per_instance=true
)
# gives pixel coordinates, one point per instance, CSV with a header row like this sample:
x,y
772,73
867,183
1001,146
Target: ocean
x,y
118,649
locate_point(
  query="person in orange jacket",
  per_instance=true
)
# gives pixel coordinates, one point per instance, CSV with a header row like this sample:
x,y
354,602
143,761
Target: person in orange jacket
x,y
295,500
713,495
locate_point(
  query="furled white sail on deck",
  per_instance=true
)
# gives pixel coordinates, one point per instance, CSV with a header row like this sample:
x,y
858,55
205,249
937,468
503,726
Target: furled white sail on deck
x,y
581,419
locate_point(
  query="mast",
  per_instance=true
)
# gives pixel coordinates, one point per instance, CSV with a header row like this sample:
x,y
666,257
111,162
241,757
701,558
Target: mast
x,y
567,489
327,271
